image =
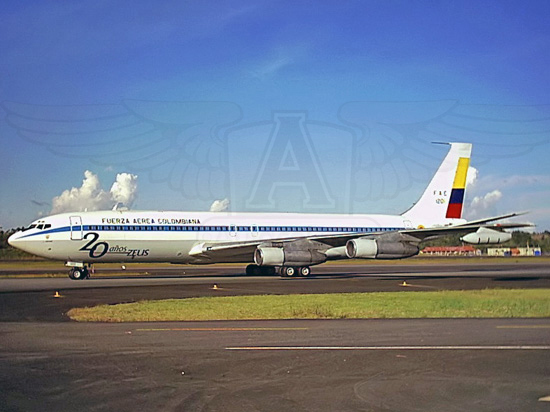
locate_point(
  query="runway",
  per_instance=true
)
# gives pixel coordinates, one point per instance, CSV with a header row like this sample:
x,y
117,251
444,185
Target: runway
x,y
188,366
51,364
31,299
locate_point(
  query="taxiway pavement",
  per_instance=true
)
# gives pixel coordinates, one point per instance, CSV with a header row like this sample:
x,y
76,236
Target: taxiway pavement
x,y
344,365
31,299
50,364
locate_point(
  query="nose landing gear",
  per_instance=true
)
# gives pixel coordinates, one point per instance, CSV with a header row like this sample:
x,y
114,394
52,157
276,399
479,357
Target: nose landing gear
x,y
79,273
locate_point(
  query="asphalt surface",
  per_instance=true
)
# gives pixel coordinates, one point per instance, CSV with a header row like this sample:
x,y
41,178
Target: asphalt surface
x,y
48,363
31,299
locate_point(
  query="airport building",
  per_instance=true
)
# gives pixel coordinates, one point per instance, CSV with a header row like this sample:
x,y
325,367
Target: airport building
x,y
451,251
514,251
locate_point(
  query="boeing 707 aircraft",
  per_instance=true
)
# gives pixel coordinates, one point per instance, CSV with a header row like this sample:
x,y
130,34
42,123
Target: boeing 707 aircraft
x,y
288,243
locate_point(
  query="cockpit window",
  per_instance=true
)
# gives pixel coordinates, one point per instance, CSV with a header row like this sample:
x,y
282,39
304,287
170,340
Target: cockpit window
x,y
39,226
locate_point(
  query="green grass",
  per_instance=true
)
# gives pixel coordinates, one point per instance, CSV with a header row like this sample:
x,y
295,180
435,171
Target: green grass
x,y
488,303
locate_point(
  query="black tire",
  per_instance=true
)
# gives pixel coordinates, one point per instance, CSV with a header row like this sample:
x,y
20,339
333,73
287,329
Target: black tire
x,y
254,270
268,270
77,274
304,271
71,274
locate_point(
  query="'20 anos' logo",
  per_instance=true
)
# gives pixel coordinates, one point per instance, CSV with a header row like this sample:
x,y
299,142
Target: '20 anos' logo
x,y
97,249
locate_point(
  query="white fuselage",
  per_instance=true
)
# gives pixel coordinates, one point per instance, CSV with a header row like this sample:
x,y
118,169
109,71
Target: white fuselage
x,y
298,239
145,236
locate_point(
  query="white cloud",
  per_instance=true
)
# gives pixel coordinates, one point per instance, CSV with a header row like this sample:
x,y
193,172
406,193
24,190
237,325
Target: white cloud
x,y
278,59
219,205
471,177
124,190
483,206
90,196
271,67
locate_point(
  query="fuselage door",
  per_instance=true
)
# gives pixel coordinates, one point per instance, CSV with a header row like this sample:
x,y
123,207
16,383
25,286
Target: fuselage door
x,y
254,230
76,227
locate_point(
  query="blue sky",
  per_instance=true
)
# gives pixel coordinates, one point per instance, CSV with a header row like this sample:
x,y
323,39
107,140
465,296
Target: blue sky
x,y
191,96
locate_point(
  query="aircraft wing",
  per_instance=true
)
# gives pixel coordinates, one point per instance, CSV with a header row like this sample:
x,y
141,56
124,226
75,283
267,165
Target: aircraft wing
x,y
422,234
467,227
237,250
495,218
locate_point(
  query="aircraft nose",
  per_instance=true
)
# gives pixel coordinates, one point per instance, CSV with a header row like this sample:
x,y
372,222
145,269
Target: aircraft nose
x,y
12,240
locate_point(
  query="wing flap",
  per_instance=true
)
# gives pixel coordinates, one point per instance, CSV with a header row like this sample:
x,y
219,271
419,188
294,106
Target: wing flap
x,y
244,251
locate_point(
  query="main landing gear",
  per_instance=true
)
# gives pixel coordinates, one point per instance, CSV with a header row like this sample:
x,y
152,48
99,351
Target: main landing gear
x,y
256,270
285,271
291,271
79,273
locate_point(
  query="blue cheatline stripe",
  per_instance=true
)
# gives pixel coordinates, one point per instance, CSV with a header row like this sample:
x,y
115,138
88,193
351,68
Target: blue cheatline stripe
x,y
457,196
195,228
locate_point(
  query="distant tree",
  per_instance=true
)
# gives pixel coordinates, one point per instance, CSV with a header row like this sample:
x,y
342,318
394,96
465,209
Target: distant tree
x,y
519,239
8,252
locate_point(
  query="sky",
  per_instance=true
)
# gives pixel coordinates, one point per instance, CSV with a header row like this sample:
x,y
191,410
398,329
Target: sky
x,y
304,106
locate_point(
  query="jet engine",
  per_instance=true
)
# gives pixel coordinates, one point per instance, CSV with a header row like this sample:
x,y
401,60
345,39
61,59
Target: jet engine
x,y
395,247
486,236
275,256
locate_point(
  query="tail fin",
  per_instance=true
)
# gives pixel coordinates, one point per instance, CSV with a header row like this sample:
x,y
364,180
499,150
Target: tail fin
x,y
444,197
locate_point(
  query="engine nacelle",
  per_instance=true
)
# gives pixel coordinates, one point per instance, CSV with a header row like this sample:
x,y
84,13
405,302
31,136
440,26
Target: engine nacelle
x,y
276,256
361,248
380,249
269,256
486,236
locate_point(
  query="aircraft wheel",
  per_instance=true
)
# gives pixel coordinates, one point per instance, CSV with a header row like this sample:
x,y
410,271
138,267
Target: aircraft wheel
x,y
305,271
289,271
268,270
77,273
252,269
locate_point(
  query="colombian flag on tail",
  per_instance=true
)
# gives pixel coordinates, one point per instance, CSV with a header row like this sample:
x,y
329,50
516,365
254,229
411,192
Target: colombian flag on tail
x,y
442,201
454,210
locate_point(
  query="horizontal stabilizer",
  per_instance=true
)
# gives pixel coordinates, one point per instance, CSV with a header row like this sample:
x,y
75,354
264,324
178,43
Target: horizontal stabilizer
x,y
493,219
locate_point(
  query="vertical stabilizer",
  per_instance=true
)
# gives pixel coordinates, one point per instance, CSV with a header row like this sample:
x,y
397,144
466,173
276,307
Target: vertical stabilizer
x,y
444,197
